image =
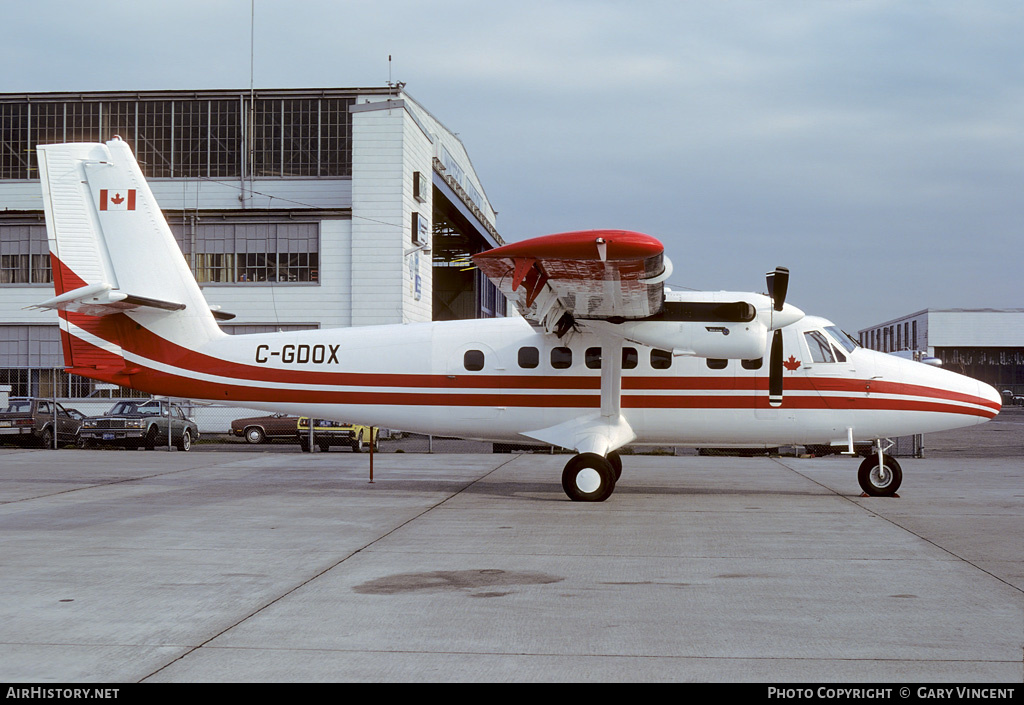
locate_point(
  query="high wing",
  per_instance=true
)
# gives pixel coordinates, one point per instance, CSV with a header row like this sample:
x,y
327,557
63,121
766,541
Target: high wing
x,y
610,282
592,274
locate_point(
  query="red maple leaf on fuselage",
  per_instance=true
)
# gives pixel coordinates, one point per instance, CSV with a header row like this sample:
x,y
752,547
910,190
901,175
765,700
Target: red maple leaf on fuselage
x,y
791,364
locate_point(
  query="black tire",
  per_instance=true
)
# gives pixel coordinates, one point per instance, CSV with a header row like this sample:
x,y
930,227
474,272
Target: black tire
x,y
324,447
304,444
150,442
357,444
185,442
615,460
255,435
588,477
880,482
46,438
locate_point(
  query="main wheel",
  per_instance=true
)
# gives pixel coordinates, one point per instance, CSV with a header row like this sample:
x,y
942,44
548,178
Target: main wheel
x,y
616,462
357,444
254,435
880,480
185,442
588,477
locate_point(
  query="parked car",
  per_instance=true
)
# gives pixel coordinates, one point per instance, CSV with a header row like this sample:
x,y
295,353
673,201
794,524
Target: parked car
x,y
1011,399
29,421
328,433
140,424
262,429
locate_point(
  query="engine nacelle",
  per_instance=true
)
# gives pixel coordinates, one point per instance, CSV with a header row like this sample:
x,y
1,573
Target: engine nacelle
x,y
723,325
735,341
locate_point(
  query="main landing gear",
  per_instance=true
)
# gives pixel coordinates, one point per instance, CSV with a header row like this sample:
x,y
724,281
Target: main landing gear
x,y
880,475
590,477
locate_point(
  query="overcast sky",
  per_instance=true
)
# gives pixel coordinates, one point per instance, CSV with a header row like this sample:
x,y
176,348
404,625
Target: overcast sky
x,y
874,147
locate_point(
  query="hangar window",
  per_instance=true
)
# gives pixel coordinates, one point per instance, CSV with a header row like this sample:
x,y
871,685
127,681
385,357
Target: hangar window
x,y
529,358
561,358
419,191
24,254
752,364
661,359
226,252
308,136
716,364
473,360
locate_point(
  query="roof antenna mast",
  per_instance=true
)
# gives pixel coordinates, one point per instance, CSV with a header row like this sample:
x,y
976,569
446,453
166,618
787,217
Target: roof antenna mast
x,y
252,97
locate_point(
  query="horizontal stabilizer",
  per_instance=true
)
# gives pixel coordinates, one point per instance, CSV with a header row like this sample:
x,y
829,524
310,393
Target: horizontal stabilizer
x,y
103,300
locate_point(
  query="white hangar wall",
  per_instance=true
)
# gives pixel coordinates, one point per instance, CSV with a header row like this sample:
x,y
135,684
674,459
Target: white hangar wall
x,y
330,235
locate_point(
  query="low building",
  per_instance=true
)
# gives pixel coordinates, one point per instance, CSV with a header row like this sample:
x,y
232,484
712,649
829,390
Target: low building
x,y
987,344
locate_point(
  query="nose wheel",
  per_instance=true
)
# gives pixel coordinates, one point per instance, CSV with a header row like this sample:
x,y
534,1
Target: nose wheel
x,y
880,477
589,477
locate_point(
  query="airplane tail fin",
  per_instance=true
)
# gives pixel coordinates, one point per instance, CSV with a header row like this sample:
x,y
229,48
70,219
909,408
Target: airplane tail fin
x,y
120,279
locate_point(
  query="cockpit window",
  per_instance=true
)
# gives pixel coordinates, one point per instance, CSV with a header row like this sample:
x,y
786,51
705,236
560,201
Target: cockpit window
x,y
843,338
821,351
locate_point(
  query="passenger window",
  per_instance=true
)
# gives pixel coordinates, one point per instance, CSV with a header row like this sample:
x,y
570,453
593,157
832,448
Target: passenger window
x,y
630,357
821,351
661,359
716,364
561,358
473,360
529,358
752,364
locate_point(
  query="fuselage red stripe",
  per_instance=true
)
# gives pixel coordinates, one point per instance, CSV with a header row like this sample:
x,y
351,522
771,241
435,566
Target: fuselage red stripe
x,y
159,382
148,345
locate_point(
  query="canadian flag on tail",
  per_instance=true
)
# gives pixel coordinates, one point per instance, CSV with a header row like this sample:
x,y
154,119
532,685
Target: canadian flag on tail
x,y
117,200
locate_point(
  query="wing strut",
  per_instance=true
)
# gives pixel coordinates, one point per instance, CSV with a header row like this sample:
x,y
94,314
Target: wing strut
x,y
600,432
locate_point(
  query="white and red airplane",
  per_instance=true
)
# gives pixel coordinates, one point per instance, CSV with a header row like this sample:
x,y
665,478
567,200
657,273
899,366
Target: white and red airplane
x,y
602,356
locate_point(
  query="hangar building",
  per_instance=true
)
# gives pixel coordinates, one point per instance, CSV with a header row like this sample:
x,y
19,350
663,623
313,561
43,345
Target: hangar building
x,y
987,344
295,209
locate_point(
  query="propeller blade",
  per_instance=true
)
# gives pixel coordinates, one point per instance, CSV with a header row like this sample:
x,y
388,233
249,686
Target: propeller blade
x,y
778,286
775,371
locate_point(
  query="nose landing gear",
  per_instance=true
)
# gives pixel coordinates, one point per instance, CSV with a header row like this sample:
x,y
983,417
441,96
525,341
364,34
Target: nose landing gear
x,y
880,475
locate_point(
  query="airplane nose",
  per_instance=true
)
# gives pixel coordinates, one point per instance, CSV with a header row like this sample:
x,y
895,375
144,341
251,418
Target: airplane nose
x,y
989,393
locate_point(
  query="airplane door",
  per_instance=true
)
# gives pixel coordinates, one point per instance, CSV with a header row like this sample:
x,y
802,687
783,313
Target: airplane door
x,y
474,372
828,369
